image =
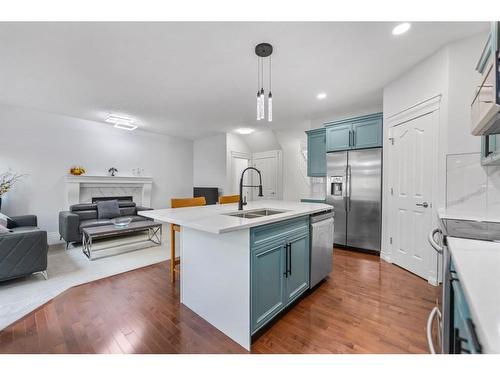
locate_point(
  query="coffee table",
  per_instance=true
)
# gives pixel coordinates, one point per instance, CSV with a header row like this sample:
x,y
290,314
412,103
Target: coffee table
x,y
107,231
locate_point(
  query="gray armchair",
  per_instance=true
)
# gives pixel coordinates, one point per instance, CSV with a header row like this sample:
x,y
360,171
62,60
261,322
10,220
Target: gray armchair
x,y
23,250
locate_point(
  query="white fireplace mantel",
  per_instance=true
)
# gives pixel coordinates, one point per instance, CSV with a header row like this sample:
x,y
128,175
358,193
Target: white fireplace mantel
x,y
81,189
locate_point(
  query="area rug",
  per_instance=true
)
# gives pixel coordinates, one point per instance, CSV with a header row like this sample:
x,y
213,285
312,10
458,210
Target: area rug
x,y
67,268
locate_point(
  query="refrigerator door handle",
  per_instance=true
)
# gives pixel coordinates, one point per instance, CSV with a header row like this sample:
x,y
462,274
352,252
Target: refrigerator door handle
x,y
348,172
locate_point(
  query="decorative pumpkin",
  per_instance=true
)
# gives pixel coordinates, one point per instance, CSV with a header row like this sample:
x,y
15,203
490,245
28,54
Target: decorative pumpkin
x,y
77,171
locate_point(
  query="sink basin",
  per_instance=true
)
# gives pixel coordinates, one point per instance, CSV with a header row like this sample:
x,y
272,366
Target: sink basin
x,y
254,214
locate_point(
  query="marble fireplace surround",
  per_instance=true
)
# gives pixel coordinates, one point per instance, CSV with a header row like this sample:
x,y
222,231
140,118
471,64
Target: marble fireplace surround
x,y
81,189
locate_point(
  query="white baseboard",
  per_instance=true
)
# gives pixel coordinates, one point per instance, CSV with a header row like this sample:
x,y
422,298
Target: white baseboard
x,y
385,257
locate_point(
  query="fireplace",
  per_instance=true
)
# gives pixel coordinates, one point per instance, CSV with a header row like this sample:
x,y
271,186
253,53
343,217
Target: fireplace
x,y
125,198
85,189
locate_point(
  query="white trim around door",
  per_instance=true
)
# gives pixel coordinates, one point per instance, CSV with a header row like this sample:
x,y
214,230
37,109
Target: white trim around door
x,y
426,115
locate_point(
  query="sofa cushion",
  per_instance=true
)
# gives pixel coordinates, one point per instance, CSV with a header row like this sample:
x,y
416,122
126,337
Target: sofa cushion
x,y
108,209
23,229
94,223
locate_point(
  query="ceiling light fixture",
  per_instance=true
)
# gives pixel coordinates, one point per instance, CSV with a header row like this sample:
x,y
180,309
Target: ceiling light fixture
x,y
401,28
245,130
121,122
262,51
321,95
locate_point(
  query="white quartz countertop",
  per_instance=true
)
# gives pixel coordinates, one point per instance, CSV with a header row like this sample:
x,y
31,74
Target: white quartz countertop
x,y
477,264
213,218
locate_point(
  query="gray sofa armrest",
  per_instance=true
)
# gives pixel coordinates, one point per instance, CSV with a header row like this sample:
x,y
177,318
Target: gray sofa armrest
x,y
69,224
22,253
23,221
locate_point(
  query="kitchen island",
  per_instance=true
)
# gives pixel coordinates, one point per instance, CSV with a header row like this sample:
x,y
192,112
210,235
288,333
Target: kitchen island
x,y
239,269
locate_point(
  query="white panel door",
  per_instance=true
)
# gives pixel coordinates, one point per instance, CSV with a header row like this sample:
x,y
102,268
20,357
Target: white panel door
x,y
238,165
412,159
268,165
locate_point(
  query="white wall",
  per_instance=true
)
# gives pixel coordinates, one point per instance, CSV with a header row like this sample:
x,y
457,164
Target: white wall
x,y
450,73
45,146
209,162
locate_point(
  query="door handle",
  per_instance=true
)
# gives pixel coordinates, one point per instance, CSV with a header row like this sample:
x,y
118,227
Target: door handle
x,y
424,205
350,138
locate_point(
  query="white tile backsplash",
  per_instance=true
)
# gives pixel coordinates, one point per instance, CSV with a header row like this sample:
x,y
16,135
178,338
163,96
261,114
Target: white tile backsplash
x,y
470,187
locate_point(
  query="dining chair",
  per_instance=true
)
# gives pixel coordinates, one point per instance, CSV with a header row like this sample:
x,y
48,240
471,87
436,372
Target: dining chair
x,y
223,199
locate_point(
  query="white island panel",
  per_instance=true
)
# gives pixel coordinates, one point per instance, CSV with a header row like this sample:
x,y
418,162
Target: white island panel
x,y
215,280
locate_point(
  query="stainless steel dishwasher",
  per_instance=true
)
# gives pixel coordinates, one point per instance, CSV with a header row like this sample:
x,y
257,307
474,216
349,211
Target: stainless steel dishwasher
x,y
321,246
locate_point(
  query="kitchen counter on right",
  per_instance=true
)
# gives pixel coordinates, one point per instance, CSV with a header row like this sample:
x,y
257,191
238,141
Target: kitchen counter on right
x,y
477,264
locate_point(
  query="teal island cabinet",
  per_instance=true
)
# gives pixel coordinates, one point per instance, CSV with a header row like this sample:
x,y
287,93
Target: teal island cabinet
x,y
279,267
240,269
355,133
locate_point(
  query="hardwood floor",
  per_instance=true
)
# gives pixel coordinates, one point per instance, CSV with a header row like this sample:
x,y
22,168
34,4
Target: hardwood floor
x,y
367,306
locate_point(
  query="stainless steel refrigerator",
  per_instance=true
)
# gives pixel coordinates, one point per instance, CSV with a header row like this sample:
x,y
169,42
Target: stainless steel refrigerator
x,y
354,188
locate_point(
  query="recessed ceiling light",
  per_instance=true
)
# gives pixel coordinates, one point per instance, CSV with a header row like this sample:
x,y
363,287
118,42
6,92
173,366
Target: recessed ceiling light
x,y
321,95
401,28
121,122
245,130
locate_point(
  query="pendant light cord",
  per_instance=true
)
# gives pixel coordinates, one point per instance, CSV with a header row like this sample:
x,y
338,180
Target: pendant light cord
x,y
270,74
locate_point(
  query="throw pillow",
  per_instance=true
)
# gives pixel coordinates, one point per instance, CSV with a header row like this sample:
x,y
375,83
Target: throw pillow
x,y
108,209
4,229
4,219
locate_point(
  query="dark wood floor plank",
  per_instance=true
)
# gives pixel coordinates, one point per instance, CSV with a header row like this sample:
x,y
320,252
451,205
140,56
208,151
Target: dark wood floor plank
x,y
365,306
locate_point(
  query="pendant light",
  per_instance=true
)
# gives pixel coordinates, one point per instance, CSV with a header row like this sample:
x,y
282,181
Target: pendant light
x,y
262,51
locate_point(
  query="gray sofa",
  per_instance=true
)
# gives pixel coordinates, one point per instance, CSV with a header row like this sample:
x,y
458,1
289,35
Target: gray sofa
x,y
23,250
84,215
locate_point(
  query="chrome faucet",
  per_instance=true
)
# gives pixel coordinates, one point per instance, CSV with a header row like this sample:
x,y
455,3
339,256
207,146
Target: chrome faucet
x,y
241,203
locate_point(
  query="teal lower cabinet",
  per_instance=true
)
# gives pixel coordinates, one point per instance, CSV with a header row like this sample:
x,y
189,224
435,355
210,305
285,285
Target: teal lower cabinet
x,y
268,266
464,337
279,267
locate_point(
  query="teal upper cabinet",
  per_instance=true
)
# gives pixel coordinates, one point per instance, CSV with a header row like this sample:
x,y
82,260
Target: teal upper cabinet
x,y
355,133
338,137
367,134
316,152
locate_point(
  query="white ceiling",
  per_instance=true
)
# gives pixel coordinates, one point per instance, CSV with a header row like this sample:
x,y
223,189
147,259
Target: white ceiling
x,y
194,79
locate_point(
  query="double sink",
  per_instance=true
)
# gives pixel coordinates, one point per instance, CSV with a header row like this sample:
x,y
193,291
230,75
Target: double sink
x,y
255,214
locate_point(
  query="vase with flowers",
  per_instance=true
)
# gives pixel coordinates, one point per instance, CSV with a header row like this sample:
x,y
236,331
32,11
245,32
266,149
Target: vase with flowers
x,y
7,180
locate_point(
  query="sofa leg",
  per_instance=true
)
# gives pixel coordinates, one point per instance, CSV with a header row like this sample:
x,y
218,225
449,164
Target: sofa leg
x,y
67,245
44,274
60,237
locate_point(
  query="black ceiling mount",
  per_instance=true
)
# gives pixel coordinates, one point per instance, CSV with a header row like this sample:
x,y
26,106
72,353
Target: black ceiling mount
x,y
263,49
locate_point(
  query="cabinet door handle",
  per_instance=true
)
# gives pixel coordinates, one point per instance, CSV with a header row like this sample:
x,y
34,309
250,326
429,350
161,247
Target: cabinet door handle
x,y
353,138
290,258
286,261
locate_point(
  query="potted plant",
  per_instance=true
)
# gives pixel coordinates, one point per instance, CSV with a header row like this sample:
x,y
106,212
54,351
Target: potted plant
x,y
7,180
